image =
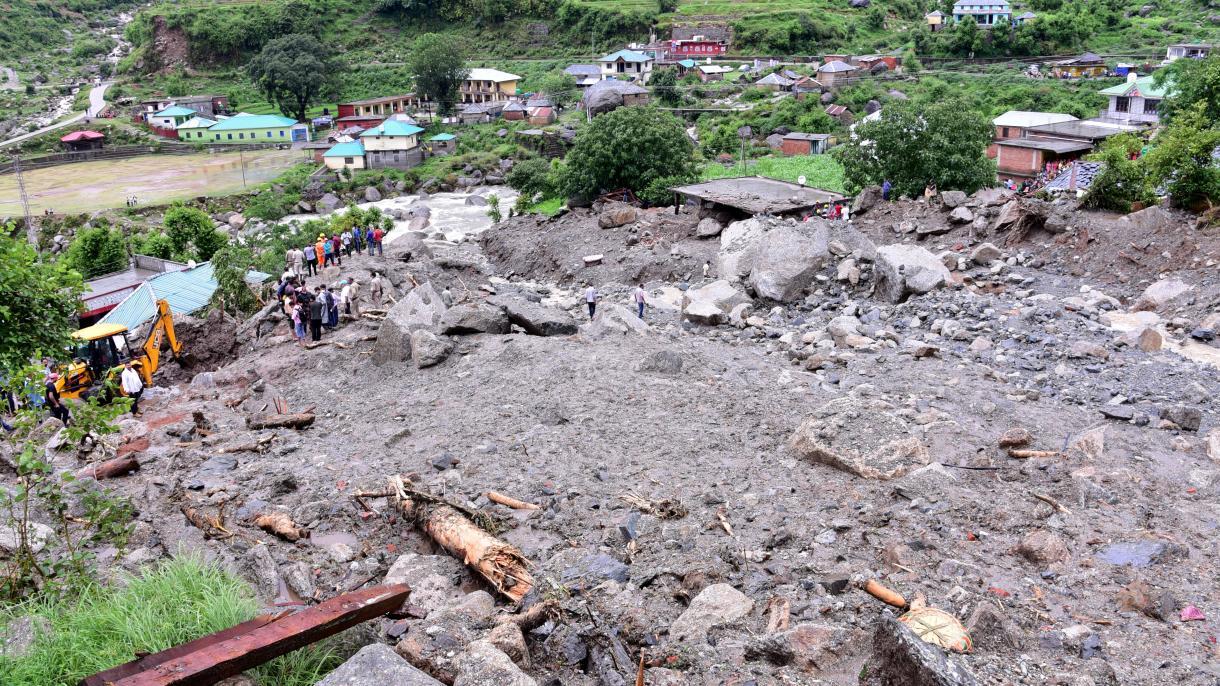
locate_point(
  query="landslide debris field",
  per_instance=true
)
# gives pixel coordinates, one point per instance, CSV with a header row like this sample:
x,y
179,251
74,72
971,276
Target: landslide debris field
x,y
1005,408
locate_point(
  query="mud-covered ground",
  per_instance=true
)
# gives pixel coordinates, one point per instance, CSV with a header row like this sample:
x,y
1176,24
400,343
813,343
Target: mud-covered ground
x,y
1074,567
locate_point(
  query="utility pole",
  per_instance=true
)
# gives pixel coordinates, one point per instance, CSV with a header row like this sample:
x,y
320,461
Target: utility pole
x,y
31,234
241,155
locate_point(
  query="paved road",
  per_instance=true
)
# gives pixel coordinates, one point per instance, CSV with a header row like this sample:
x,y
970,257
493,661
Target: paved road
x,y
97,102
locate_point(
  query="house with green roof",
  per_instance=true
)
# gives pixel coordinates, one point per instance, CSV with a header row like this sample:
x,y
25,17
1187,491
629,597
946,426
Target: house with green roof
x,y
442,144
1136,101
170,117
392,144
195,130
348,155
257,128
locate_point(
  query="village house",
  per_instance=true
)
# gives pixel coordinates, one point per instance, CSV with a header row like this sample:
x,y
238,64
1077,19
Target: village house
x,y
1135,101
348,155
1023,159
1191,51
585,74
258,128
1013,123
878,63
775,82
316,149
936,20
442,144
1024,17
1087,65
748,196
1091,131
481,112
82,141
626,65
699,41
805,143
841,114
209,106
371,112
712,72
392,144
541,115
986,13
195,129
1075,180
484,85
658,51
835,73
804,86
166,121
514,111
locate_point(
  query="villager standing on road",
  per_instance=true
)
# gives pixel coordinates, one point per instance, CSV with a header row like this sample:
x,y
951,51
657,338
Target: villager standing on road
x,y
311,258
133,386
368,240
316,309
298,262
375,288
591,300
707,267
54,402
640,298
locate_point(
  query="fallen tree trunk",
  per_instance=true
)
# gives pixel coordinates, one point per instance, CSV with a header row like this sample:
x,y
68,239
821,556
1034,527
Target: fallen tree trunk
x,y
110,468
300,420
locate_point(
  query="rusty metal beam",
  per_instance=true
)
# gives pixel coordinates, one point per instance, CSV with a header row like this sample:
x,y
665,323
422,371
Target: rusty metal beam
x,y
212,660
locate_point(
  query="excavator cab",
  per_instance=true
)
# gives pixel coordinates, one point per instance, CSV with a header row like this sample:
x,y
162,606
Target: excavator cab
x,y
102,349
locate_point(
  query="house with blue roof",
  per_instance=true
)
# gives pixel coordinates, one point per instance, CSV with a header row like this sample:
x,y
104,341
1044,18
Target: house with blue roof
x,y
349,155
392,144
257,128
626,65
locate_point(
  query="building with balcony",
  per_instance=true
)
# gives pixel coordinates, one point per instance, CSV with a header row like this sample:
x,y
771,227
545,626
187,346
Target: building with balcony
x,y
488,85
626,65
986,13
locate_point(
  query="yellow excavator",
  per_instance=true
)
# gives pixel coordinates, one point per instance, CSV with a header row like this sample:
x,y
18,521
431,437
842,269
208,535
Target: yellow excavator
x,y
103,349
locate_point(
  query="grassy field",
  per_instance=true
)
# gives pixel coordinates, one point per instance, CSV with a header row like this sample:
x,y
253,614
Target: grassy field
x,y
820,171
153,179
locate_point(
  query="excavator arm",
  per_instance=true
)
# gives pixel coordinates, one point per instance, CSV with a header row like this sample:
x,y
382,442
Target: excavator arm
x,y
162,330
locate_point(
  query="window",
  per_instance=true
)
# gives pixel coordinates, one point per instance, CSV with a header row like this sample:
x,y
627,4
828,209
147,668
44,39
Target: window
x,y
241,136
230,136
268,134
1004,132
1122,104
281,133
1150,106
349,160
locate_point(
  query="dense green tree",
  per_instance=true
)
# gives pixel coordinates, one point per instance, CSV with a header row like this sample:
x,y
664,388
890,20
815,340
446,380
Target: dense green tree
x,y
531,176
191,233
39,300
664,84
230,265
438,64
912,145
1121,181
1182,159
1192,83
628,148
560,88
295,72
97,250
153,244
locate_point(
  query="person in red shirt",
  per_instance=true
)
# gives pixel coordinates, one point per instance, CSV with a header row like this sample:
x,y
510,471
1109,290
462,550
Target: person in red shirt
x,y
337,248
377,236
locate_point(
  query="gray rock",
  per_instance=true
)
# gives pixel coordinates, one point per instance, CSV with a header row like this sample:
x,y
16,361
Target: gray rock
x,y
718,295
435,580
470,319
476,200
1189,418
865,200
592,569
17,638
900,658
861,436
484,664
961,215
985,254
534,318
617,215
1163,295
371,194
422,308
665,362
614,319
37,536
377,665
715,605
786,262
708,228
428,349
905,270
328,203
952,199
1149,219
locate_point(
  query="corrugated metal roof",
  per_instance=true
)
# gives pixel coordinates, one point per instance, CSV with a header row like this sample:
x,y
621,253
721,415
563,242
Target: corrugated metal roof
x,y
353,149
253,121
175,111
187,291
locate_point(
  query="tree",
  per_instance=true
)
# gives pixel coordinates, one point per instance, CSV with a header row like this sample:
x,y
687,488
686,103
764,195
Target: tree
x,y
39,300
664,83
294,72
191,233
628,148
913,144
1121,181
530,177
1182,159
96,251
153,244
559,87
438,65
1191,82
230,265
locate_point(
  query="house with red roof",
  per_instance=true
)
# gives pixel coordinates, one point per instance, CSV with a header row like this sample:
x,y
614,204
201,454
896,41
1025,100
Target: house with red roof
x,y
80,141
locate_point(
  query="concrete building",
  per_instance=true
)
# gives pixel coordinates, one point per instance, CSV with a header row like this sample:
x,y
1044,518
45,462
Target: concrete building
x,y
805,143
1012,124
626,65
986,13
345,156
392,144
258,128
442,144
195,130
835,73
585,74
1135,101
936,20
488,85
170,117
1190,51
751,195
1088,65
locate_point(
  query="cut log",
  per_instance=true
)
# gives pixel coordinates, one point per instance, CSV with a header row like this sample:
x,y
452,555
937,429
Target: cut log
x,y
1026,454
885,595
511,502
300,420
281,525
110,468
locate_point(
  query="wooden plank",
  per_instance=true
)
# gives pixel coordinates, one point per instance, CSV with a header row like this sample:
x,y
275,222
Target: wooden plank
x,y
222,659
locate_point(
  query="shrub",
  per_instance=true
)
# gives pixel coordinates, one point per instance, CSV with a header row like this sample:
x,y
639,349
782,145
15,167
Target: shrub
x,y
530,177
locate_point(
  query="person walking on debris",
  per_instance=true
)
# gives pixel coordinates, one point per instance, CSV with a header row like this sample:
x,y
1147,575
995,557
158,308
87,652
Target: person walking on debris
x,y
298,261
316,309
332,304
355,298
311,258
368,240
886,187
298,324
357,233
640,298
328,250
591,300
375,289
54,402
377,236
337,249
707,267
346,240
345,297
133,386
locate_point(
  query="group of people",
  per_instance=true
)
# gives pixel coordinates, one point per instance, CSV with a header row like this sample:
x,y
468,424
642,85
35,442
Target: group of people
x,y
312,311
312,258
130,381
639,296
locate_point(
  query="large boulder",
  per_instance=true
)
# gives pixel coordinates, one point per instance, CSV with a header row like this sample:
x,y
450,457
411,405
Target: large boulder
x,y
614,319
711,304
428,349
905,270
738,244
435,580
468,319
534,318
422,308
408,247
371,194
1148,220
1161,295
866,199
484,664
900,658
617,215
786,262
715,605
375,665
328,203
476,201
1021,216
952,199
708,227
861,436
